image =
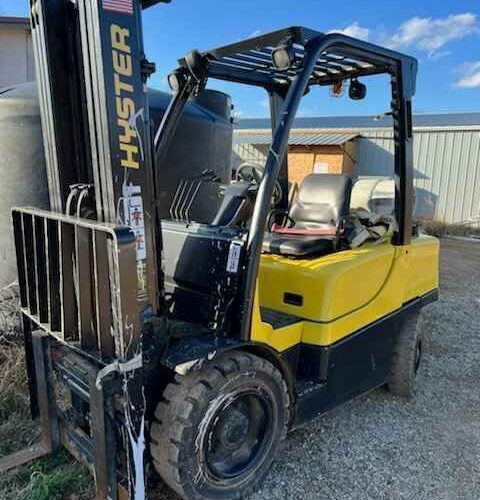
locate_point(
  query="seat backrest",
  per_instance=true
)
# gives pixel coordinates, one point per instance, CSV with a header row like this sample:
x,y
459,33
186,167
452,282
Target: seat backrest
x,y
322,199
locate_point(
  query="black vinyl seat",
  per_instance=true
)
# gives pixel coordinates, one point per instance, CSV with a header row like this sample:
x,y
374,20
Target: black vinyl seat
x,y
297,246
316,219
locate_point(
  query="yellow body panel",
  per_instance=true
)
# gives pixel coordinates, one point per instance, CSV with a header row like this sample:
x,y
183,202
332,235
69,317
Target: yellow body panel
x,y
344,291
354,275
280,339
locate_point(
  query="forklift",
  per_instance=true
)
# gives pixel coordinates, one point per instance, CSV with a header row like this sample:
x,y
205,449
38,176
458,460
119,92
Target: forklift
x,y
191,347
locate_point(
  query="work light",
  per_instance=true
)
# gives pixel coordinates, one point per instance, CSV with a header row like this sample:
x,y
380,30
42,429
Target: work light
x,y
283,56
357,90
176,80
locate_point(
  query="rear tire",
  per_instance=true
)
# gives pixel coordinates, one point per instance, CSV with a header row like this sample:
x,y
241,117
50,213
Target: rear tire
x,y
407,356
216,433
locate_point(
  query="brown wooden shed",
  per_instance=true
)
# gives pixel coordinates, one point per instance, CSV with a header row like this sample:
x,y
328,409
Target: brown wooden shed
x,y
309,152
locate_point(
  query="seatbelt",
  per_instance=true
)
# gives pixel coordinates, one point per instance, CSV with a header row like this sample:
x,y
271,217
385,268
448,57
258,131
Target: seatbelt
x,y
362,226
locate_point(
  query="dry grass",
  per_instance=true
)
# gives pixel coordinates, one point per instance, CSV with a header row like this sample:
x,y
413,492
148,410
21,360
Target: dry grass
x,y
52,478
439,229
16,428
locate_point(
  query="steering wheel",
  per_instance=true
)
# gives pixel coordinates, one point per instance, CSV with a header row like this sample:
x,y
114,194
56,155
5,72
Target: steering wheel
x,y
250,172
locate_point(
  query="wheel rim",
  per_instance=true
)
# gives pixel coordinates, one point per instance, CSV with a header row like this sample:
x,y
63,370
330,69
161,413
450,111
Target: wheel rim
x,y
238,435
418,355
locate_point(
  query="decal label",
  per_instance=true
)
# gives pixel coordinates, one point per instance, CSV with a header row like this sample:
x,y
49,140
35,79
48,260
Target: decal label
x,y
134,217
234,257
128,139
122,6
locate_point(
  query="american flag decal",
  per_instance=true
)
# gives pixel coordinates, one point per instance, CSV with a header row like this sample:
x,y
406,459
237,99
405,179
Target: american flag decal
x,y
123,6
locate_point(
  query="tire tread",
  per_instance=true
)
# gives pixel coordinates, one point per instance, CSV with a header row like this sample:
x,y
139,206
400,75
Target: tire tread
x,y
172,423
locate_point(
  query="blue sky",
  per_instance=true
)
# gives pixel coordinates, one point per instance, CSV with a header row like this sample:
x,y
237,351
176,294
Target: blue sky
x,y
443,34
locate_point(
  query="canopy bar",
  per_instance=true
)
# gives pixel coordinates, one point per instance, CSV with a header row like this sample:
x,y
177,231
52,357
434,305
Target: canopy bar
x,y
250,61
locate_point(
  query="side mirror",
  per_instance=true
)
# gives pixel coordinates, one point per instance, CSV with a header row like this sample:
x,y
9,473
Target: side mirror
x,y
357,90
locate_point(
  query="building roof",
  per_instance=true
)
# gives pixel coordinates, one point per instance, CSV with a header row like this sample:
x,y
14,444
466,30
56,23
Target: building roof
x,y
297,139
18,23
445,120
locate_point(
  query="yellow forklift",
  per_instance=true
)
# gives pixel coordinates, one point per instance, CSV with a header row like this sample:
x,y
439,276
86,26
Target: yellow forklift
x,y
189,342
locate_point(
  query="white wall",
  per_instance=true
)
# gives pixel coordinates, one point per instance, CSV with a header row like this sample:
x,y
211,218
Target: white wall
x,y
16,55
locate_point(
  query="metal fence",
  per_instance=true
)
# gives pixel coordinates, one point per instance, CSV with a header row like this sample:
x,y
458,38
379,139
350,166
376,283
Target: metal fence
x,y
77,280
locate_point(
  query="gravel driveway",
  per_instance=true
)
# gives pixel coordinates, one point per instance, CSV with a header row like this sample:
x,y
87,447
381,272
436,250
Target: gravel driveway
x,y
381,447
378,446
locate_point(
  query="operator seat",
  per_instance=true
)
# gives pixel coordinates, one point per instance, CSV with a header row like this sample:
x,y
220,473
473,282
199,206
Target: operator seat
x,y
315,221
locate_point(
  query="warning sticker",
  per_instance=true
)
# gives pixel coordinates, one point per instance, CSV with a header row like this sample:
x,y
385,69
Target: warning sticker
x,y
137,223
234,257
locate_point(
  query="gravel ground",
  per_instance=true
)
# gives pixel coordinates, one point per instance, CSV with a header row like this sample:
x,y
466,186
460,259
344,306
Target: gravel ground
x,y
381,447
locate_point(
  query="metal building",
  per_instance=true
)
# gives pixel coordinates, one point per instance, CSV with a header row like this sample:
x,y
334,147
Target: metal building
x,y
446,156
16,51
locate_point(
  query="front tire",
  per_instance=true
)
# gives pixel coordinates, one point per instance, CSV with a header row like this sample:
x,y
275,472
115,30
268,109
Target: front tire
x,y
217,431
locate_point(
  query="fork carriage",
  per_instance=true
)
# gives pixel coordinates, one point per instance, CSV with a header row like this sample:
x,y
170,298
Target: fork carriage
x,y
82,327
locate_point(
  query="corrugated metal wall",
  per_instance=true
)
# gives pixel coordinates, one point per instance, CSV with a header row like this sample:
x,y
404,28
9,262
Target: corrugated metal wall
x,y
249,153
16,55
447,169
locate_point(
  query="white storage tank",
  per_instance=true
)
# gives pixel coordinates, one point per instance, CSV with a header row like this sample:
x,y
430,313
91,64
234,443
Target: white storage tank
x,y
23,179
203,140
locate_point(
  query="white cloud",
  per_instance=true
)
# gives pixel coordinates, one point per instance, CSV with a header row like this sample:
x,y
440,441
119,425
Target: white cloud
x,y
428,34
255,33
470,75
440,54
354,30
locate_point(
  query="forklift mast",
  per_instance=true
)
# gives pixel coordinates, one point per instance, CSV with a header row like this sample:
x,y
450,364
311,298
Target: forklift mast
x,y
92,75
89,283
